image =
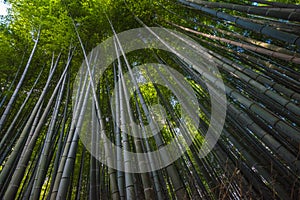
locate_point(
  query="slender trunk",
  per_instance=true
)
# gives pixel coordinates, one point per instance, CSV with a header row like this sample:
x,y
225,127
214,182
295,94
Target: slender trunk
x,y
14,95
41,171
277,4
120,174
17,177
79,181
263,29
275,54
282,13
12,125
12,83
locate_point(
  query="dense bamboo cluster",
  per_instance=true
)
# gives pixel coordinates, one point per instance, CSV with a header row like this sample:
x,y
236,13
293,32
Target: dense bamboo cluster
x,y
256,49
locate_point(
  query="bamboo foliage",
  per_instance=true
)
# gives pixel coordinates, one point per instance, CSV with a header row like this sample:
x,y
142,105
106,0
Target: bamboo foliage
x,y
43,154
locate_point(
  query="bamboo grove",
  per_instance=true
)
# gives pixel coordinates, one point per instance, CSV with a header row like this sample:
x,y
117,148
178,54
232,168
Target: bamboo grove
x,y
255,46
